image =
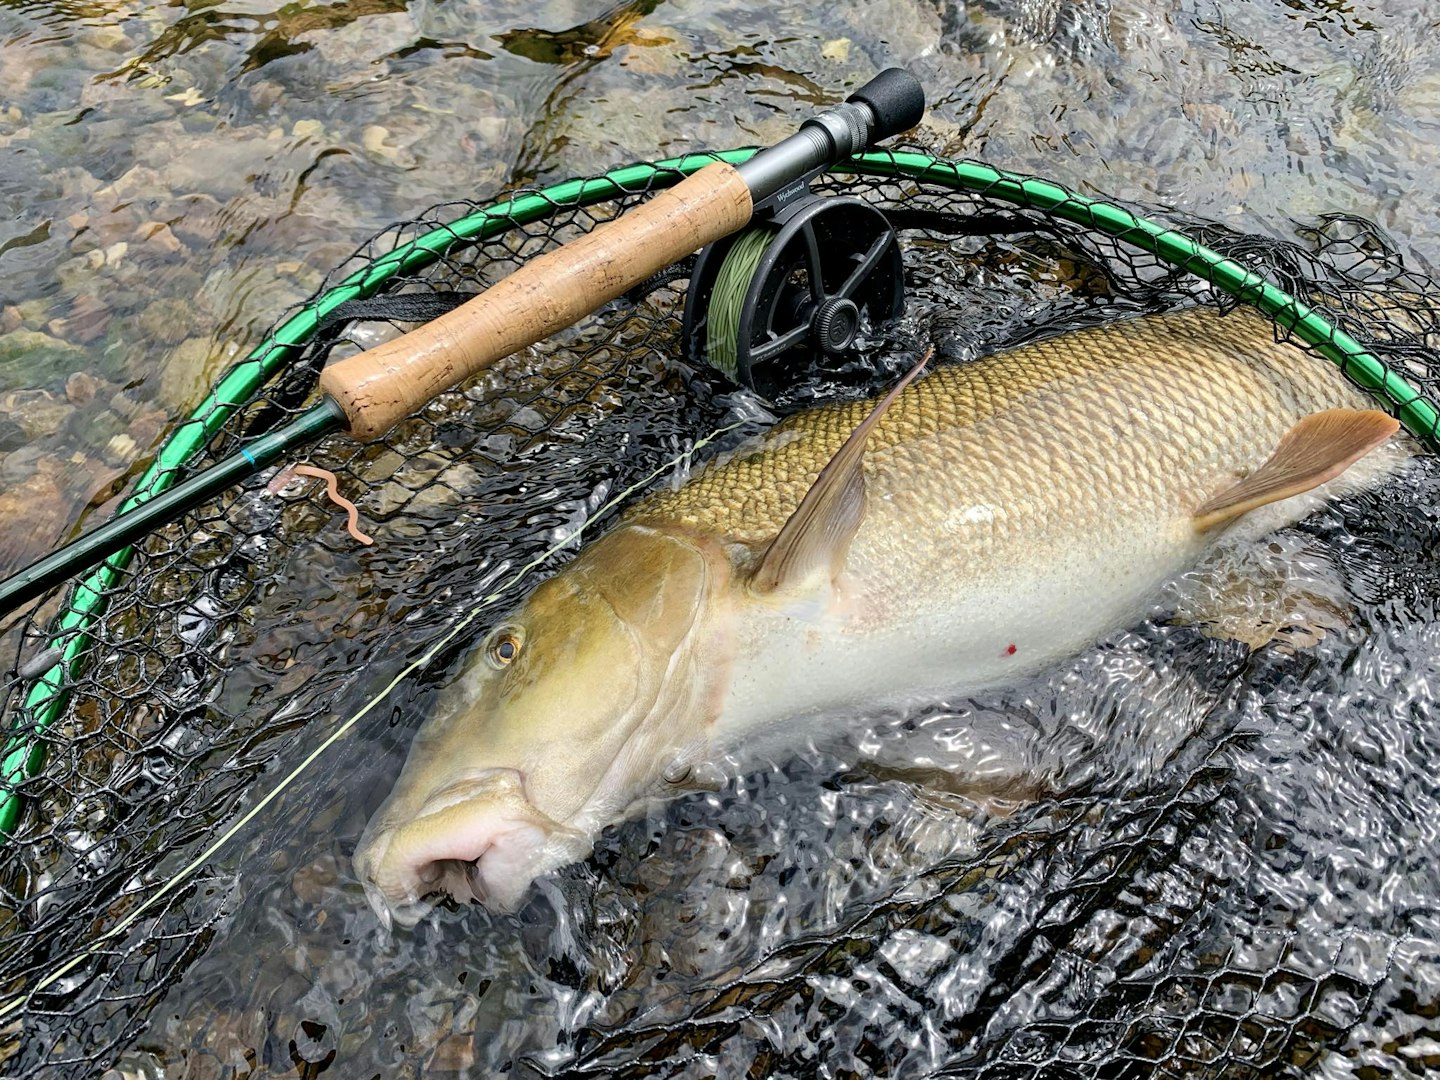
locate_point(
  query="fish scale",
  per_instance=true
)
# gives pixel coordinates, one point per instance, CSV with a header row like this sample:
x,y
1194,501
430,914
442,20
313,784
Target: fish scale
x,y
1048,427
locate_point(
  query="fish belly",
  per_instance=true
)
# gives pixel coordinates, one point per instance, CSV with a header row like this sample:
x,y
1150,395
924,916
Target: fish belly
x,y
878,646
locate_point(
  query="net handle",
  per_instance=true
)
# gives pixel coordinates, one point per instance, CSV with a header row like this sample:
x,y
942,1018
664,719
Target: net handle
x,y
378,388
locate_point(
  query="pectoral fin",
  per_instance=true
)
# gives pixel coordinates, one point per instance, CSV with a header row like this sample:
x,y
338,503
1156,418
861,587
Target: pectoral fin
x,y
817,536
1317,449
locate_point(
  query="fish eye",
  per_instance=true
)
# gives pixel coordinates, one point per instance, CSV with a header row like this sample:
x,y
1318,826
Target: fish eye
x,y
676,774
503,647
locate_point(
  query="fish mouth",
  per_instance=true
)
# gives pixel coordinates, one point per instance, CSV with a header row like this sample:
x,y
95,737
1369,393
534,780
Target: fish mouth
x,y
478,839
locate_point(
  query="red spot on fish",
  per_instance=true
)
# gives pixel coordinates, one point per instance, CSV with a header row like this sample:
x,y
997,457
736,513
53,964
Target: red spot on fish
x,y
1010,649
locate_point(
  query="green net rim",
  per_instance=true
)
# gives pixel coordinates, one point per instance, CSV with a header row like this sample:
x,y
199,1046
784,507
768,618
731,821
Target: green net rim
x,y
25,750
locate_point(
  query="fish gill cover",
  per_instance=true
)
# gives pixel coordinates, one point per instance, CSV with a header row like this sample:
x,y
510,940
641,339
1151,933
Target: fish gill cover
x,y
1214,863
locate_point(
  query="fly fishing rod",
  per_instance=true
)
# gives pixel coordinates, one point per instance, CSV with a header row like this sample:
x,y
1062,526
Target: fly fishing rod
x,y
366,394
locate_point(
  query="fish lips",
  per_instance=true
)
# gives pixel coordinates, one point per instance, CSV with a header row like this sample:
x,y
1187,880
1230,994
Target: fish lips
x,y
477,838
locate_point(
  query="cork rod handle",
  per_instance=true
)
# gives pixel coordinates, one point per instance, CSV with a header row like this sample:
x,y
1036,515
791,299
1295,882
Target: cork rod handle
x,y
379,387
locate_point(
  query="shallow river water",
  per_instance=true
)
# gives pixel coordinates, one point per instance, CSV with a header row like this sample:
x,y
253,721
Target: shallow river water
x,y
1218,863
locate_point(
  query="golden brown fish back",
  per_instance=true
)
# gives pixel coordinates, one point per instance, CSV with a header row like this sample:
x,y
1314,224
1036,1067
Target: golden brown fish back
x,y
1185,383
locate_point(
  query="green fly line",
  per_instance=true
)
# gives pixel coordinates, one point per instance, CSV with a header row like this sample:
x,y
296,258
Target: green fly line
x,y
727,300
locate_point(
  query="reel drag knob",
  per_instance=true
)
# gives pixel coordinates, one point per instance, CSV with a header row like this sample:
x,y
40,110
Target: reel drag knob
x,y
837,322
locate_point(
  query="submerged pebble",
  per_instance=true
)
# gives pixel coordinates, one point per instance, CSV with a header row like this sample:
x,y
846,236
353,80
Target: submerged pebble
x,y
38,413
30,358
86,321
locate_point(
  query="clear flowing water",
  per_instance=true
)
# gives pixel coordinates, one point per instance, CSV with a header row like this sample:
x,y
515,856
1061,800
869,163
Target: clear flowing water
x,y
1184,859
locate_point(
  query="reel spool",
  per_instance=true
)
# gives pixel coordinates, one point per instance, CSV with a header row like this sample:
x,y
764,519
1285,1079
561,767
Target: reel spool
x,y
793,290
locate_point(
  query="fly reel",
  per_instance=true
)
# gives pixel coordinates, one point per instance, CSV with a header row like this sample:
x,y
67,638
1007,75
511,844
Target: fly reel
x,y
793,289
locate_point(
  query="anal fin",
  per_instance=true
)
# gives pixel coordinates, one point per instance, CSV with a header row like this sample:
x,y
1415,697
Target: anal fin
x,y
1316,450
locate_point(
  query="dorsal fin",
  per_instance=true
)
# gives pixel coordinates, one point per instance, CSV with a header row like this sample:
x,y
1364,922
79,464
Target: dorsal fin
x,y
818,534
1318,448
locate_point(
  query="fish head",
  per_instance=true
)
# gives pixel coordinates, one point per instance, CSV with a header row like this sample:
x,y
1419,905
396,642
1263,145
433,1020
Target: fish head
x,y
568,714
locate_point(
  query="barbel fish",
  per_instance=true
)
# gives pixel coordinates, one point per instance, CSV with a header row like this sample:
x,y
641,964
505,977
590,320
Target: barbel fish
x,y
973,527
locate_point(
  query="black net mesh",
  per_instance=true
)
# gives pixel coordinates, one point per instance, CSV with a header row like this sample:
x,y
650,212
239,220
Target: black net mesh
x,y
1204,917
